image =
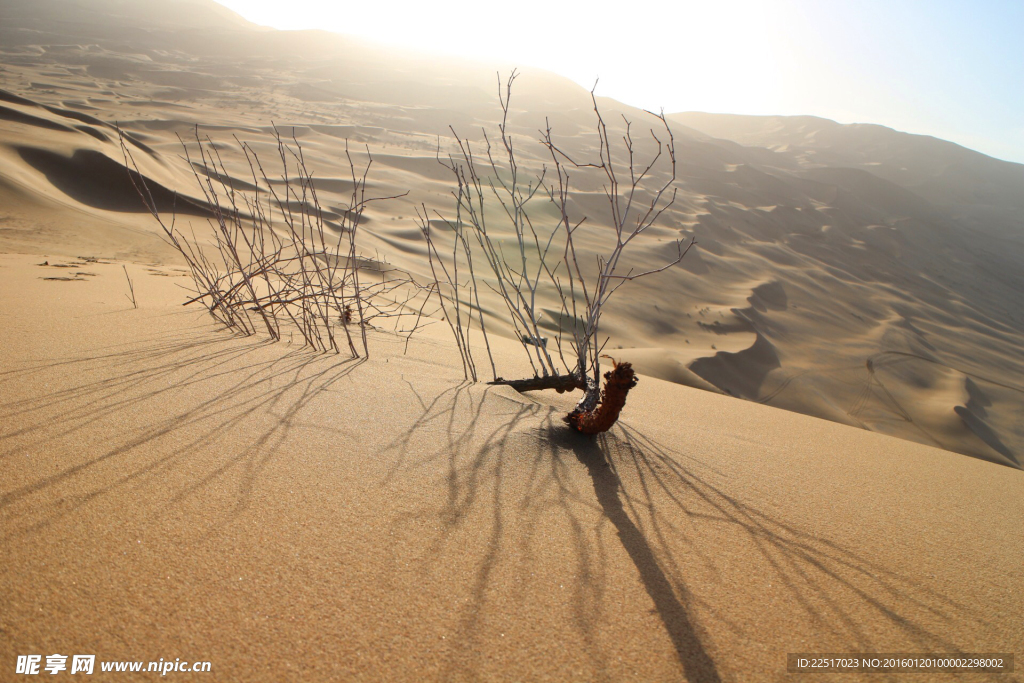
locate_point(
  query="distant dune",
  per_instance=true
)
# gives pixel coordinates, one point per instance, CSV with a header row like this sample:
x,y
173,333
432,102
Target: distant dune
x,y
850,272
173,491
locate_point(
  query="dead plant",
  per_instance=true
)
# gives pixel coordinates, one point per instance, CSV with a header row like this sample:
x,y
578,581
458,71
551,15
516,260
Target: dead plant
x,y
548,257
276,258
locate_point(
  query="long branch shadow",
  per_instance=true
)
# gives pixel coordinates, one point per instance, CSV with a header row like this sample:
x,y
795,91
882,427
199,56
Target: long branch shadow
x,y
815,571
697,663
506,464
481,438
470,456
227,379
671,502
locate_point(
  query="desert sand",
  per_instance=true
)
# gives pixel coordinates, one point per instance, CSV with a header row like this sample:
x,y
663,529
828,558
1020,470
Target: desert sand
x,y
172,490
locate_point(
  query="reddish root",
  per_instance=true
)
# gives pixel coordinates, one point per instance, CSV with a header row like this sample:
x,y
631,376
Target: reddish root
x,y
617,383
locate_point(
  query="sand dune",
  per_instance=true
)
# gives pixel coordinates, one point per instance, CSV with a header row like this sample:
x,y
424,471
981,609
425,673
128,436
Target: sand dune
x,y
878,241
172,491
384,521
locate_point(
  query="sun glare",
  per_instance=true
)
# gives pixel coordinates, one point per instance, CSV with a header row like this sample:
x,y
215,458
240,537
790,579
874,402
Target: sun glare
x,y
939,68
677,55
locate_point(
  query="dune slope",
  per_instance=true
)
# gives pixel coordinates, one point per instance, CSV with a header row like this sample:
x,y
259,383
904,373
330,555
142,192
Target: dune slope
x,y
172,491
852,273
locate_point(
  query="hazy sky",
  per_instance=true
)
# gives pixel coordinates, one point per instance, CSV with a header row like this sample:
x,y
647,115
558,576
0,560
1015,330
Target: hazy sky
x,y
954,70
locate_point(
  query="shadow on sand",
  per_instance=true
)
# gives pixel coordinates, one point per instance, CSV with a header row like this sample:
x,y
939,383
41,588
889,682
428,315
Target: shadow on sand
x,y
506,467
666,508
695,660
229,383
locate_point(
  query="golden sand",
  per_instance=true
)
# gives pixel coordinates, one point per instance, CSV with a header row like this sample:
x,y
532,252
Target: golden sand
x,y
170,490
